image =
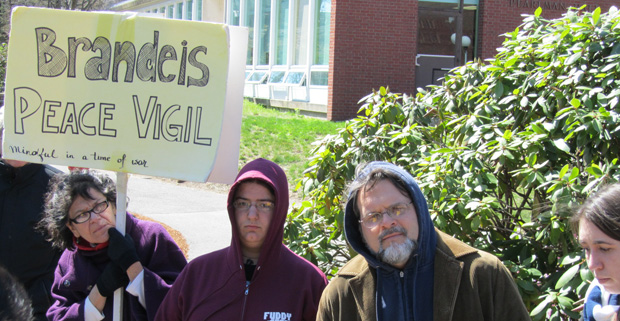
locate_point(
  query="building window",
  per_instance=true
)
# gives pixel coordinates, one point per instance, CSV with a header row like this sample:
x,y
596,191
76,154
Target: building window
x,y
249,22
277,77
179,13
295,78
258,77
264,32
436,24
170,11
301,34
321,29
234,12
281,40
190,5
199,10
318,78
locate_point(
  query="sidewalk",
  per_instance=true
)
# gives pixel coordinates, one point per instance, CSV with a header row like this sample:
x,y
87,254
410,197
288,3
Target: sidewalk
x,y
199,215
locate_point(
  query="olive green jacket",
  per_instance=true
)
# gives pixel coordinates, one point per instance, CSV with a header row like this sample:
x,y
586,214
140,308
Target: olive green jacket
x,y
469,285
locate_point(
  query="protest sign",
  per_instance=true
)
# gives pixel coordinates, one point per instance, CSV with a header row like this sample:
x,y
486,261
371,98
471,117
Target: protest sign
x,y
122,92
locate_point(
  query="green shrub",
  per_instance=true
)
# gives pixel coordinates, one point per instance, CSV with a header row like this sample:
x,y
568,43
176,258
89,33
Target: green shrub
x,y
3,49
503,150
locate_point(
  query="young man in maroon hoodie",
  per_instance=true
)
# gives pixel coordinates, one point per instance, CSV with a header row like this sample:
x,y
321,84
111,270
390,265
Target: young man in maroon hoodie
x,y
256,277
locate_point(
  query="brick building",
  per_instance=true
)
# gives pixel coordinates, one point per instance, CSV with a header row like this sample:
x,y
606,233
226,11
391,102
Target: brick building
x,y
322,56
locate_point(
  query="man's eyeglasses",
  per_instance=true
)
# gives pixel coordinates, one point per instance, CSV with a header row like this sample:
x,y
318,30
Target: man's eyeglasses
x,y
261,206
372,220
86,215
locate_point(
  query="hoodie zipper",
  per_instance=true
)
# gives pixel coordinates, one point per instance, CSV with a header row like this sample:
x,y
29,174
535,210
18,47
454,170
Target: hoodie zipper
x,y
247,289
245,298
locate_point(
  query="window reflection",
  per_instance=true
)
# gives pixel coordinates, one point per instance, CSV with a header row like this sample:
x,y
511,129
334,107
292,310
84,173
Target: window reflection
x,y
281,32
437,22
321,46
277,77
249,22
301,34
199,10
264,32
190,6
235,12
258,77
294,78
318,78
179,13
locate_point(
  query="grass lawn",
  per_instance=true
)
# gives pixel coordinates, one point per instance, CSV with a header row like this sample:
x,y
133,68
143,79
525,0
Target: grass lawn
x,y
283,137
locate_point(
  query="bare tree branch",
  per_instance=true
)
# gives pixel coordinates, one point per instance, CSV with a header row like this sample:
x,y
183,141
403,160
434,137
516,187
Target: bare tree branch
x,y
6,7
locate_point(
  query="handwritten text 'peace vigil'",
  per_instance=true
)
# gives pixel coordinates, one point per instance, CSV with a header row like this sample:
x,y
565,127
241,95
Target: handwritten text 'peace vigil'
x,y
173,123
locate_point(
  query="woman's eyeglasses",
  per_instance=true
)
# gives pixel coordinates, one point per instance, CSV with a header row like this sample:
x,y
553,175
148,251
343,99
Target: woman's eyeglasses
x,y
86,215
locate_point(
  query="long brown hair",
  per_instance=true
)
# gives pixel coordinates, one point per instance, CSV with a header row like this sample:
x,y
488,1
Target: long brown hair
x,y
601,209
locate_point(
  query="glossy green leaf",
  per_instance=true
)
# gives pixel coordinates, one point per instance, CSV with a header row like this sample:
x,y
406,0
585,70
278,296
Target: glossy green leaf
x,y
561,145
567,277
511,62
564,170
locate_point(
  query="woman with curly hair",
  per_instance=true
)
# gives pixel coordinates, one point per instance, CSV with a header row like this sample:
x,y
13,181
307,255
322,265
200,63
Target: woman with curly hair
x,y
597,223
97,259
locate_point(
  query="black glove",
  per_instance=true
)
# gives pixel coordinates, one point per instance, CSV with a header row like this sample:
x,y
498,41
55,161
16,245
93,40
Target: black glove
x,y
112,278
121,250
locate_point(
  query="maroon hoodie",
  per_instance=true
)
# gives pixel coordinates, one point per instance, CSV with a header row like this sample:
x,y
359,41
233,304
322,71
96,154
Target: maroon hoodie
x,y
284,286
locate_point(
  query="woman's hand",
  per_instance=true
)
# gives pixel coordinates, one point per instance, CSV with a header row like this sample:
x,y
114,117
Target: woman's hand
x,y
112,278
121,249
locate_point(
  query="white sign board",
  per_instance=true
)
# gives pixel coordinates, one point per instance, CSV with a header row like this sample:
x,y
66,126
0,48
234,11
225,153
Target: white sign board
x,y
123,92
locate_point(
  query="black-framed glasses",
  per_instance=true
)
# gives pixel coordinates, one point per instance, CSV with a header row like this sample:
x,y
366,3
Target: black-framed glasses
x,y
372,220
85,216
261,206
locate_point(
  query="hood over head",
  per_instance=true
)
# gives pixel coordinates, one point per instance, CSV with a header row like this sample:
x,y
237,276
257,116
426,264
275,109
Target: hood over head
x,y
273,175
426,242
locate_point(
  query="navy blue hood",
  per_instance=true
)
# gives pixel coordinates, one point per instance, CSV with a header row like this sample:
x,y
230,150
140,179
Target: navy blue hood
x,y
418,285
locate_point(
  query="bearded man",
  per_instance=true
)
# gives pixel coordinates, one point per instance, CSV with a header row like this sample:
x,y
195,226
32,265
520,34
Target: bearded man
x,y
407,269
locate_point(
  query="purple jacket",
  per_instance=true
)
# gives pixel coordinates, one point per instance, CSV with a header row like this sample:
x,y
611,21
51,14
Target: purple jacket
x,y
284,286
78,271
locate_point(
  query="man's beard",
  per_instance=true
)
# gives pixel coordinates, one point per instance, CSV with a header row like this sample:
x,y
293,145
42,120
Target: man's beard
x,y
395,253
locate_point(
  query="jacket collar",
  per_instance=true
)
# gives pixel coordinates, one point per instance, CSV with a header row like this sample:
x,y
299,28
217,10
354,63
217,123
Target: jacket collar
x,y
363,282
448,269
